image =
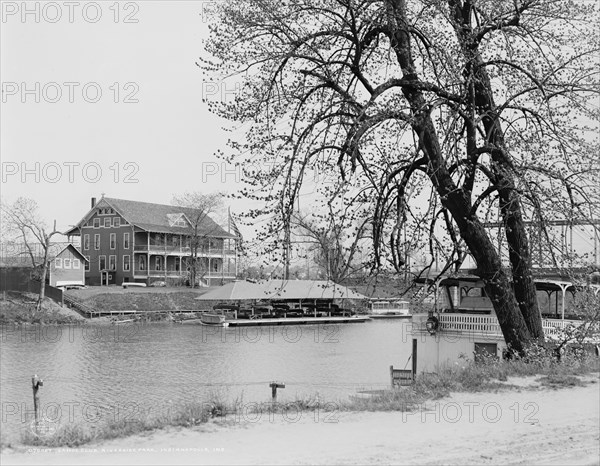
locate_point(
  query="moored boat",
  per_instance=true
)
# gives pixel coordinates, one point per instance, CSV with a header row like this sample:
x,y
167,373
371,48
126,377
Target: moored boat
x,y
212,318
389,309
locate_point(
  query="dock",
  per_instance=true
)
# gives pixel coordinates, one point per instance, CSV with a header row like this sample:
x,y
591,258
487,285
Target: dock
x,y
296,321
390,316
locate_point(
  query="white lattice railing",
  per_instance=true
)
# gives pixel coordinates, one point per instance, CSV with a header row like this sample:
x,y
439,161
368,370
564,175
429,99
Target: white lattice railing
x,y
468,323
488,325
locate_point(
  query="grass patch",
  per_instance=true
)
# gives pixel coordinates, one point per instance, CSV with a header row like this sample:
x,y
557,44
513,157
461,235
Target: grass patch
x,y
490,374
560,381
75,435
19,309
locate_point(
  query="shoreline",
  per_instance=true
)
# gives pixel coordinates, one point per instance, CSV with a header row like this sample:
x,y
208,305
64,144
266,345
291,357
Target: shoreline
x,y
522,425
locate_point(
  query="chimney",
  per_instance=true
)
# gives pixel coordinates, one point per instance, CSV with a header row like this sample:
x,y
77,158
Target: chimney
x,y
93,202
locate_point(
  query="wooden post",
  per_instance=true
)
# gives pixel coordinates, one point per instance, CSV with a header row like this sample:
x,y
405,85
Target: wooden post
x,y
36,383
414,358
274,386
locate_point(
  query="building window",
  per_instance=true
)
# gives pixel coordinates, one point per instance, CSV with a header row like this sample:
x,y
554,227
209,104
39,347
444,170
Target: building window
x,y
112,262
96,242
113,241
87,264
125,240
126,263
157,263
86,242
142,263
180,223
58,263
102,263
67,263
96,222
107,222
76,264
116,222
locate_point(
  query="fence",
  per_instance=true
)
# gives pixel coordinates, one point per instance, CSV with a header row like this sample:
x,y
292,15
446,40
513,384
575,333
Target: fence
x,y
19,279
15,278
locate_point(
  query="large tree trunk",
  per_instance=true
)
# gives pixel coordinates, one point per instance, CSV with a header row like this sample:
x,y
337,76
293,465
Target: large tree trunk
x,y
497,284
520,260
510,206
489,266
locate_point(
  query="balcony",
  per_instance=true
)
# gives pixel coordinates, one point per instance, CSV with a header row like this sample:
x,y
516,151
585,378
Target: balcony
x,y
183,250
138,273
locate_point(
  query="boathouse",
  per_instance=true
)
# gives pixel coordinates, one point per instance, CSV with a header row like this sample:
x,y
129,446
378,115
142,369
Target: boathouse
x,y
463,325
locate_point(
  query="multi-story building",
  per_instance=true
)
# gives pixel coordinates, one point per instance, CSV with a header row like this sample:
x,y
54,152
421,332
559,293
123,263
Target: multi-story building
x,y
130,241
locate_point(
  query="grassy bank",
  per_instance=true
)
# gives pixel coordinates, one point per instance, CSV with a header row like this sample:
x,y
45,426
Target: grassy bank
x,y
20,308
489,376
141,299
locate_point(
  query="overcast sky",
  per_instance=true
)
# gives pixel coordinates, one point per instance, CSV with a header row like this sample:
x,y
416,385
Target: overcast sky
x,y
147,136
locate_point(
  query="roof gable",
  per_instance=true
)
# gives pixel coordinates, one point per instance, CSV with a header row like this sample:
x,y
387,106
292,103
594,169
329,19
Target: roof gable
x,y
178,220
68,247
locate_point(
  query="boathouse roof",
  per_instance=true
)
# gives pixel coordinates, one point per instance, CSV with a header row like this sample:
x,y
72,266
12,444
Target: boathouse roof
x,y
281,289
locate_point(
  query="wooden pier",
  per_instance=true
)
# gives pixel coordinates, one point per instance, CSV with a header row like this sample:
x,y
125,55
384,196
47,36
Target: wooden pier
x,y
296,321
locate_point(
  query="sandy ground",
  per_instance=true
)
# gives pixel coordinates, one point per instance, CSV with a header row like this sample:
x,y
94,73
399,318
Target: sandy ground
x,y
529,426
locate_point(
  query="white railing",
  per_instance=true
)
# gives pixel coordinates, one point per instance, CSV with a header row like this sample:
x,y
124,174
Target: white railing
x,y
489,325
467,323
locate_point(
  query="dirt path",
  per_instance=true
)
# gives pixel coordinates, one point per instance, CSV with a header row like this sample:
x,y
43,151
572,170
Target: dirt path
x,y
511,427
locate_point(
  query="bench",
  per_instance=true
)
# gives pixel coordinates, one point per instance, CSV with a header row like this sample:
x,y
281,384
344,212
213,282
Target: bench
x,y
401,377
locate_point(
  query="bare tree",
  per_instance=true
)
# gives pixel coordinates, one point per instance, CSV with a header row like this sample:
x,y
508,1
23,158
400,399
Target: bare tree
x,y
198,209
335,242
22,221
447,113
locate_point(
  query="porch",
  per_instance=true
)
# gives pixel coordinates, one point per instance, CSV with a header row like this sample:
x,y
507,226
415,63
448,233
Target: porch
x,y
481,325
179,245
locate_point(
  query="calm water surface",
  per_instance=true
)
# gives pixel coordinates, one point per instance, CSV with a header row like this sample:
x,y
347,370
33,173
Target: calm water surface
x,y
94,372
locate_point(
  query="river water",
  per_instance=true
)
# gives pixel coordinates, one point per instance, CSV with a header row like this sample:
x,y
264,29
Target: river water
x,y
93,373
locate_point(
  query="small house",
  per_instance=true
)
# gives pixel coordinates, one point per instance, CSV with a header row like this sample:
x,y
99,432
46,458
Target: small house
x,y
67,266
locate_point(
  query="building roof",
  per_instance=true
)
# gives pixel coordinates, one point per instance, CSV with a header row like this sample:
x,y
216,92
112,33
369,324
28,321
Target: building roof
x,y
17,255
281,289
157,218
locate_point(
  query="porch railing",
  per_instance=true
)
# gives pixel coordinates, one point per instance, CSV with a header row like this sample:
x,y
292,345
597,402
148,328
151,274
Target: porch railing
x,y
161,249
487,325
176,273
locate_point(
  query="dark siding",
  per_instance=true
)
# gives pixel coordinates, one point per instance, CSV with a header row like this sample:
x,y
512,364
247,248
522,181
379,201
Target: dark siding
x,y
15,278
119,275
